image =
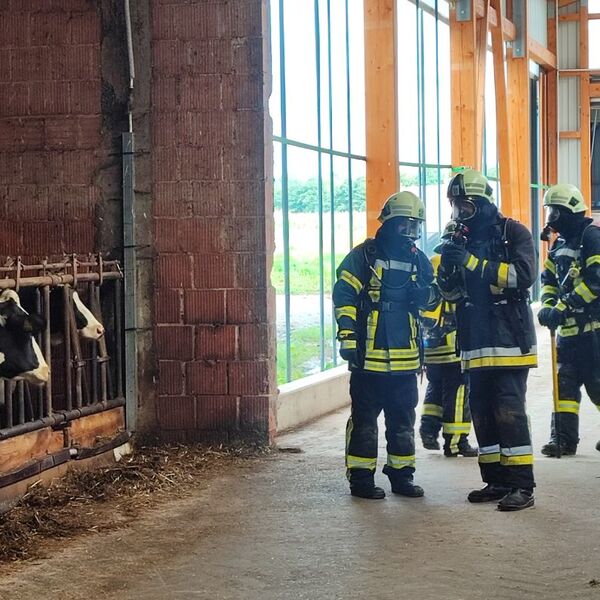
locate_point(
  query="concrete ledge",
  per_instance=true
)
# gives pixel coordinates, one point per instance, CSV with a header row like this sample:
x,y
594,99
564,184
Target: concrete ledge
x,y
312,397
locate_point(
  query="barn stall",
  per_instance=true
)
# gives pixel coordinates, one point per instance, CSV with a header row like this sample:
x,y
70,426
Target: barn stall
x,y
79,413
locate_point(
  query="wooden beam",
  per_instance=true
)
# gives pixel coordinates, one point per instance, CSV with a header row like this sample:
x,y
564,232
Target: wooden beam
x,y
593,16
584,103
17,451
541,55
509,31
502,124
594,90
569,17
381,113
463,91
518,117
570,135
552,106
482,27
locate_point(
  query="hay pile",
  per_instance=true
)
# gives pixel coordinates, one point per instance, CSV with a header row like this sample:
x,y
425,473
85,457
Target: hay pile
x,y
103,499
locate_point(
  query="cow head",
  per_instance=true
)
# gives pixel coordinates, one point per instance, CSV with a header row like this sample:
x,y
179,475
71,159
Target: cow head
x,y
88,326
20,354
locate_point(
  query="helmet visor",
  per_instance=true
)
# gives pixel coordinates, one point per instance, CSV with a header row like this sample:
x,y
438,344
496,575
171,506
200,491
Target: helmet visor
x,y
463,209
409,227
552,214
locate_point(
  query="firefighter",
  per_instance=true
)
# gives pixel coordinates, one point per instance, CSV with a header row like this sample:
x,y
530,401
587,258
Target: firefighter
x,y
446,404
381,285
570,291
487,269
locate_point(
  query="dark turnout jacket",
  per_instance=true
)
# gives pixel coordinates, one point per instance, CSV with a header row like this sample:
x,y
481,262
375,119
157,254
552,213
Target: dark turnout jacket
x,y
374,306
571,280
494,319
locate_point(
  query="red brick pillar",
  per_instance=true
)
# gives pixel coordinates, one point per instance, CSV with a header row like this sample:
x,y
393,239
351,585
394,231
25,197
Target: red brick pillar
x,y
213,219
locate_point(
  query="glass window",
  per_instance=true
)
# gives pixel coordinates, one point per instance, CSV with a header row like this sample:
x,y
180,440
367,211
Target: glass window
x,y
594,43
356,69
594,6
339,80
298,37
275,99
408,82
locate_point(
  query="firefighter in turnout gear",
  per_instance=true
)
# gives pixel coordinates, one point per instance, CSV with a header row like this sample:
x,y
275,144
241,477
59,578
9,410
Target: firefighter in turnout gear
x,y
381,285
446,404
570,304
487,269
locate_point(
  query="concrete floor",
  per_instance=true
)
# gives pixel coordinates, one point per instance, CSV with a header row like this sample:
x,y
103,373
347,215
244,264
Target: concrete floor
x,y
286,527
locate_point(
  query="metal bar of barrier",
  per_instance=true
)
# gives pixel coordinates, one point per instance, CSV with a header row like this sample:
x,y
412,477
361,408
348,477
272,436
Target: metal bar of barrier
x,y
60,417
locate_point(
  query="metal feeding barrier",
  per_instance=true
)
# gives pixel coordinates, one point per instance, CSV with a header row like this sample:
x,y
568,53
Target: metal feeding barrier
x,y
86,376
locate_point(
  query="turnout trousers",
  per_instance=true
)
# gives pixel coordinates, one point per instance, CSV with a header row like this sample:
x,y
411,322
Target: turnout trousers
x,y
578,364
397,396
446,405
497,399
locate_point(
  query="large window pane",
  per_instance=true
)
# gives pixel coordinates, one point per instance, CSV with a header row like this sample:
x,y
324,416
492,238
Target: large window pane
x,y
594,44
339,81
408,82
356,44
300,71
275,99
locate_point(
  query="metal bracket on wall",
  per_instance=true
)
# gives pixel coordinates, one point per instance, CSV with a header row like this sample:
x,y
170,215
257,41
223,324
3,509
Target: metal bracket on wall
x,y
463,10
519,44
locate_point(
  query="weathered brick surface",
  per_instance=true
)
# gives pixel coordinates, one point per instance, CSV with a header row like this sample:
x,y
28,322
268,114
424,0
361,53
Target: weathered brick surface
x,y
216,343
210,213
50,124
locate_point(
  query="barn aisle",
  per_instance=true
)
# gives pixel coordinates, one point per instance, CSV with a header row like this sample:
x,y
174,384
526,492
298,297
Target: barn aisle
x,y
285,527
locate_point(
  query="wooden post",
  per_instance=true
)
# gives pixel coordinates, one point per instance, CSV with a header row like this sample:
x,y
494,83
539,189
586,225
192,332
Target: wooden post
x,y
552,106
482,26
502,123
584,101
463,93
518,117
381,107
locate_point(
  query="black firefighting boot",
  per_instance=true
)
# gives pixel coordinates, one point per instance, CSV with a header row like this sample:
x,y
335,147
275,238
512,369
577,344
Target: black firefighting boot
x,y
430,442
362,484
463,447
429,431
370,492
489,493
517,499
402,483
407,488
551,447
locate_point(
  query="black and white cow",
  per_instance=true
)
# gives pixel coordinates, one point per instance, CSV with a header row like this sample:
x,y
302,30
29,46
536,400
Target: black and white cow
x,y
88,326
20,355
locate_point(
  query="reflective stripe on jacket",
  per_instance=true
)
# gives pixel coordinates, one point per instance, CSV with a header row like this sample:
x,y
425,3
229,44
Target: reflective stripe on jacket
x,y
494,319
373,310
571,279
439,329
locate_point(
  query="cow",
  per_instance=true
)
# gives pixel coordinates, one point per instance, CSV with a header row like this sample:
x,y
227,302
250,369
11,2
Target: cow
x,y
20,354
88,326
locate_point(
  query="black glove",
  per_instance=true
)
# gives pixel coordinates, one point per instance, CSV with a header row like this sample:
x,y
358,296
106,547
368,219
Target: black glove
x,y
419,296
349,354
552,317
454,255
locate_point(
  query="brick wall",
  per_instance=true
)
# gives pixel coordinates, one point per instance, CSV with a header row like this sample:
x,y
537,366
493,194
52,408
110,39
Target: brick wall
x,y
213,308
204,223
50,126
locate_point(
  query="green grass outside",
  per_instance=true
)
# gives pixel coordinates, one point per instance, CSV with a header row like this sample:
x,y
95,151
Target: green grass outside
x,y
304,273
304,345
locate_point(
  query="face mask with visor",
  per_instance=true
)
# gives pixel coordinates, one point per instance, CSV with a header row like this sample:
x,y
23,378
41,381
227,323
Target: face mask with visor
x,y
463,208
408,227
553,214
